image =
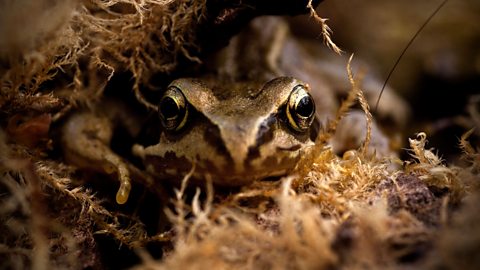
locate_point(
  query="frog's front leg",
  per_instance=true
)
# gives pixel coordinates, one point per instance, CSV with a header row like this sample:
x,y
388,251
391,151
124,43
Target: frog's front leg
x,y
86,138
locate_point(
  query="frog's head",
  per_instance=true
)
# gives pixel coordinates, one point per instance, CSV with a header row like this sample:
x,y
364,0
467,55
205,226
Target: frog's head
x,y
236,133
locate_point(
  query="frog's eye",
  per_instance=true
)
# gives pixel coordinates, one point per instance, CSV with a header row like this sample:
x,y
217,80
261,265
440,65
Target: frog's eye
x,y
300,109
173,109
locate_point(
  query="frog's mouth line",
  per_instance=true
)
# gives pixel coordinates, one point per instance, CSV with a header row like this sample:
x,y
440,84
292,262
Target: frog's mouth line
x,y
292,148
274,178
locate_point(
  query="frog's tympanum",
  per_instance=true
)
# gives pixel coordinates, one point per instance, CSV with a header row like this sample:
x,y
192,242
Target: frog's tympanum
x,y
234,133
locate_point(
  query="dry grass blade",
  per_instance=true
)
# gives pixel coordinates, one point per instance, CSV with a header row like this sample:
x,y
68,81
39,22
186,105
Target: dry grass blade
x,y
363,103
326,31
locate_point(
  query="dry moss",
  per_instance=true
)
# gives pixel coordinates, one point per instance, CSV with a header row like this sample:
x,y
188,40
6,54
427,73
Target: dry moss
x,y
345,213
83,44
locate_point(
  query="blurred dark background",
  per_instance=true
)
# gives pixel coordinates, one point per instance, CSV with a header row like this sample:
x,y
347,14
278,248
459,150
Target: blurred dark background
x,y
440,73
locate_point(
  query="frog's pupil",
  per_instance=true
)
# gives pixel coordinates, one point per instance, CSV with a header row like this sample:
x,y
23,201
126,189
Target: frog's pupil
x,y
305,107
169,108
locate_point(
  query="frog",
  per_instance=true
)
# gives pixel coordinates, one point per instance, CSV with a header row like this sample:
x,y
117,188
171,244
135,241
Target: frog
x,y
250,132
233,133
254,111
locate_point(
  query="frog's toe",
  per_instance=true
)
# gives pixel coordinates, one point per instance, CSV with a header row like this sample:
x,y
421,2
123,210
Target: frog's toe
x,y
123,192
123,174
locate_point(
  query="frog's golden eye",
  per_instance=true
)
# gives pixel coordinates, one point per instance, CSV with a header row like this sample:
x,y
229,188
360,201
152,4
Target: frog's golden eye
x,y
173,109
300,109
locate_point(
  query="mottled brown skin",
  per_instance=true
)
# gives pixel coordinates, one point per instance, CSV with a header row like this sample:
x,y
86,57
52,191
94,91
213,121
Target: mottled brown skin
x,y
267,49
